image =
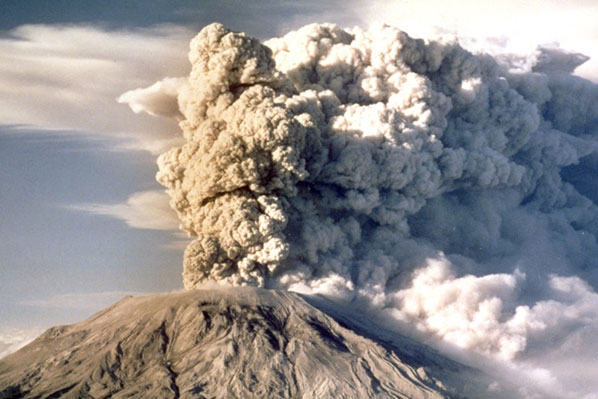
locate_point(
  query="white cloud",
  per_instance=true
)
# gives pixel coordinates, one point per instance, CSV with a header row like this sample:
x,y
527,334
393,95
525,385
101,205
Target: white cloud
x,y
69,77
550,342
475,312
515,25
142,210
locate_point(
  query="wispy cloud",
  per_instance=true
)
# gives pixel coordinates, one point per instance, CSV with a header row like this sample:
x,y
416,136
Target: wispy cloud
x,y
69,77
142,210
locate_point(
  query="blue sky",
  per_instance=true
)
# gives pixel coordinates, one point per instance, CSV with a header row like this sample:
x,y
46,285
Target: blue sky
x,y
49,249
72,237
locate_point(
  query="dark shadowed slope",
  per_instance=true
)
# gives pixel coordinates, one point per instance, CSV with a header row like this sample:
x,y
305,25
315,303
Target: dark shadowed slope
x,y
235,343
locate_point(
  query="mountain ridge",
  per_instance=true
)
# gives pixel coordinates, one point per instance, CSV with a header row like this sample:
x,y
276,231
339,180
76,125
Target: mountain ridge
x,y
226,343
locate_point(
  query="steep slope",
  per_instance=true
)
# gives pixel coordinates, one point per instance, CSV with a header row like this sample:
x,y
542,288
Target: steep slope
x,y
234,343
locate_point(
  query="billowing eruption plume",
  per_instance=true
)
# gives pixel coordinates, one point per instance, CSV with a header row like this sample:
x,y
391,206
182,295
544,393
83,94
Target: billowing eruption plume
x,y
367,164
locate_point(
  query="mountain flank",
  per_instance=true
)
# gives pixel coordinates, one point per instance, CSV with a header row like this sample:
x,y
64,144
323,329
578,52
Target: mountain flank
x,y
227,343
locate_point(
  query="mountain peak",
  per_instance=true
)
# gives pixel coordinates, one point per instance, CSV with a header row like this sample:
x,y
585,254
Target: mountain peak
x,y
224,343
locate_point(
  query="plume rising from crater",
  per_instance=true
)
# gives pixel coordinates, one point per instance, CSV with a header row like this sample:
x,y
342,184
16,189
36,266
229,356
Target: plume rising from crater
x,y
368,164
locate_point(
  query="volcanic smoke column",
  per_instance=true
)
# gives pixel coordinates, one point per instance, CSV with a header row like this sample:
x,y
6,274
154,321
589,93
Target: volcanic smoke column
x,y
454,192
341,159
241,158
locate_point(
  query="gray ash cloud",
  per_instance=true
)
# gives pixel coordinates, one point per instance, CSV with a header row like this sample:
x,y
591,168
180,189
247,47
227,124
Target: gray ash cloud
x,y
368,164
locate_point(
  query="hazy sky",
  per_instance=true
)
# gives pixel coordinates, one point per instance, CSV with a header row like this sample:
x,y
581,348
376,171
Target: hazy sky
x,y
82,221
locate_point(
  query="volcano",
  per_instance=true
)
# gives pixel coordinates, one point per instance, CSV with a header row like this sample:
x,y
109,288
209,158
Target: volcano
x,y
231,343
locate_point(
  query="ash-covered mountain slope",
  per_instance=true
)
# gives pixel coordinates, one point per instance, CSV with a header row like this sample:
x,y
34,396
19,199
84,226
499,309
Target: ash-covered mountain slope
x,y
228,343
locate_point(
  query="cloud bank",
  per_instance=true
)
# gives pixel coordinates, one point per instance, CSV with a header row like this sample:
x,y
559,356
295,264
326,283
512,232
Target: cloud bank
x,y
428,181
67,78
